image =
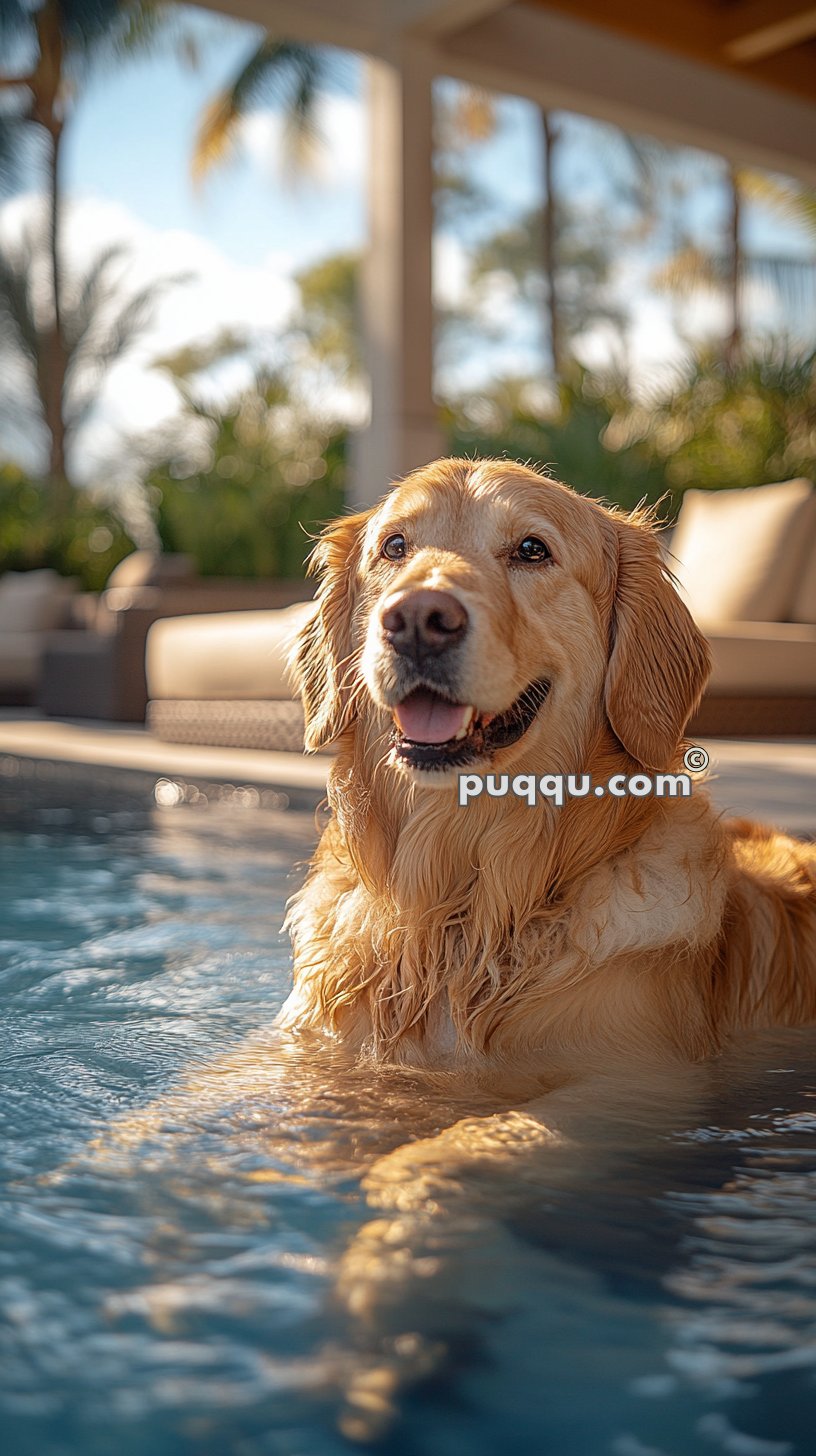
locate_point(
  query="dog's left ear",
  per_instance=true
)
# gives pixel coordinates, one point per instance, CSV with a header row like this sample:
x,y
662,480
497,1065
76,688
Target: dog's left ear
x,y
659,661
321,659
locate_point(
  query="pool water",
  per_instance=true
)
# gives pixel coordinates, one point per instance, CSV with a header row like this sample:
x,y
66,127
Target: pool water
x,y
189,1261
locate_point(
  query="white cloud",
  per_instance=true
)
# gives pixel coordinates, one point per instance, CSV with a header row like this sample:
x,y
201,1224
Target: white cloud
x,y
338,158
451,271
218,295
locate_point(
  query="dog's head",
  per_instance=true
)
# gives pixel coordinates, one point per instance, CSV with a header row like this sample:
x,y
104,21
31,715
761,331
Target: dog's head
x,y
493,616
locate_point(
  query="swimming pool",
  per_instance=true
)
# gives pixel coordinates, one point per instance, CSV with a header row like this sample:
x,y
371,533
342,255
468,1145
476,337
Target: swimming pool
x,y
182,1218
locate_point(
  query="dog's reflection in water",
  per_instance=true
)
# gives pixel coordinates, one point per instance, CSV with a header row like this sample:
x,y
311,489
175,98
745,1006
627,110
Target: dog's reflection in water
x,y
451,1174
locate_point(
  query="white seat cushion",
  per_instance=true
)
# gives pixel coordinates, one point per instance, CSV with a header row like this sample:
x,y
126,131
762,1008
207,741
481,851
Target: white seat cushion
x,y
226,655
739,555
772,659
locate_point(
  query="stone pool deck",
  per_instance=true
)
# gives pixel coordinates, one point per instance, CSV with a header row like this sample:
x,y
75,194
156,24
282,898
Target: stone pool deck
x,y
772,780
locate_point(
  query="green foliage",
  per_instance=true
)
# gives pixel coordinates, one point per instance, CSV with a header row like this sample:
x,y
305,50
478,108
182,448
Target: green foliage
x,y
566,439
87,544
263,488
717,428
329,304
714,429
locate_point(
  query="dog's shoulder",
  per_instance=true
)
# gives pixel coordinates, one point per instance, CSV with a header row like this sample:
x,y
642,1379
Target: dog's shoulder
x,y
668,889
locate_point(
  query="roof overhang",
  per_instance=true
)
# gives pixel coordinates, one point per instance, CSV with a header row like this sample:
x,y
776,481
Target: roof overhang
x,y
740,82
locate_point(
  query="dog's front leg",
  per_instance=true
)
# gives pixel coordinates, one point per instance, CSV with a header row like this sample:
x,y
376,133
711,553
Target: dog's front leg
x,y
429,1275
438,1264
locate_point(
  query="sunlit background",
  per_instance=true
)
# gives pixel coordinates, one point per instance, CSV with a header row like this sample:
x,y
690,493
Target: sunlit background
x,y
646,324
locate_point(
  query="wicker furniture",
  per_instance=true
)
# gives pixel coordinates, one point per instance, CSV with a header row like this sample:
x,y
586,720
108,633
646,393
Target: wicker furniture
x,y
98,671
222,680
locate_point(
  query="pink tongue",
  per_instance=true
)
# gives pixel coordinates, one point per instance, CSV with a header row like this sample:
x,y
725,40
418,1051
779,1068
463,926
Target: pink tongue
x,y
425,718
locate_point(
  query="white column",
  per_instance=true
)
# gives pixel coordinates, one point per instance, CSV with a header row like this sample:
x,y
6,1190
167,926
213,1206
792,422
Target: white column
x,y
397,304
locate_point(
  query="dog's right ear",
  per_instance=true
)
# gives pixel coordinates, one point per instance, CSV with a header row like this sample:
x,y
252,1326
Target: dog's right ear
x,y
659,662
321,661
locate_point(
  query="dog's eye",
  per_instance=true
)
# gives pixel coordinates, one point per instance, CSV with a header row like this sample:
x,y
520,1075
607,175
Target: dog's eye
x,y
394,548
532,548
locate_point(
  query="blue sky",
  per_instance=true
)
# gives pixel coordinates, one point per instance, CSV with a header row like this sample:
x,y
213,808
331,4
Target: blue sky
x,y
251,227
132,139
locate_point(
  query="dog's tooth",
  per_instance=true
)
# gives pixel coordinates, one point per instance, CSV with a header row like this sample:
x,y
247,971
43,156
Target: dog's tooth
x,y
462,732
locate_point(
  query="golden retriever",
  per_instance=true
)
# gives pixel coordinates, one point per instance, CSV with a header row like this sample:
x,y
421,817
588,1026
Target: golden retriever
x,y
484,618
574,960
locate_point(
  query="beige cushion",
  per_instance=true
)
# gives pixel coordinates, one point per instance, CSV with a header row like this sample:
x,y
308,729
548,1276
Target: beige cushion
x,y
151,568
739,554
33,601
764,659
225,655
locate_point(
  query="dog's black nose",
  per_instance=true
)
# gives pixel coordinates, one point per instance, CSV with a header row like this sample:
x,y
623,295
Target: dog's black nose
x,y
423,623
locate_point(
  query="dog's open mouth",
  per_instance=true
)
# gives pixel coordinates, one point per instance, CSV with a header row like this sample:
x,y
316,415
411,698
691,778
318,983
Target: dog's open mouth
x,y
430,731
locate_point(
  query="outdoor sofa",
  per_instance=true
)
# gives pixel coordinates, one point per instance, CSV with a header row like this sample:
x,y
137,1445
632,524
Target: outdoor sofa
x,y
96,669
745,561
222,680
31,604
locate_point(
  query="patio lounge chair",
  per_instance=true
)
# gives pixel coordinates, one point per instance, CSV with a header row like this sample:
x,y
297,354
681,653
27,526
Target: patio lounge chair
x,y
746,564
221,680
99,670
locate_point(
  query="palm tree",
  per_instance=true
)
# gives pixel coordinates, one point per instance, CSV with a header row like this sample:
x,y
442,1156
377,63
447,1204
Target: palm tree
x,y
554,258
723,270
98,322
549,262
559,247
53,45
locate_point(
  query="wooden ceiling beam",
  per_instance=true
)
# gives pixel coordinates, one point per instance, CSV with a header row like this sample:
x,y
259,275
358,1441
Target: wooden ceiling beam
x,y
694,28
753,29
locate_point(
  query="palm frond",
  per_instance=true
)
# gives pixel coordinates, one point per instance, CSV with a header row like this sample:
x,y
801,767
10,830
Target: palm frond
x,y
15,22
792,201
110,331
282,72
182,364
20,334
12,147
23,349
80,312
690,270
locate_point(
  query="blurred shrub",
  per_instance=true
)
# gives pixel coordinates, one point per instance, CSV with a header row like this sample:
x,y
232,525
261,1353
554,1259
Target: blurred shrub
x,y
567,438
259,487
750,426
713,429
87,544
